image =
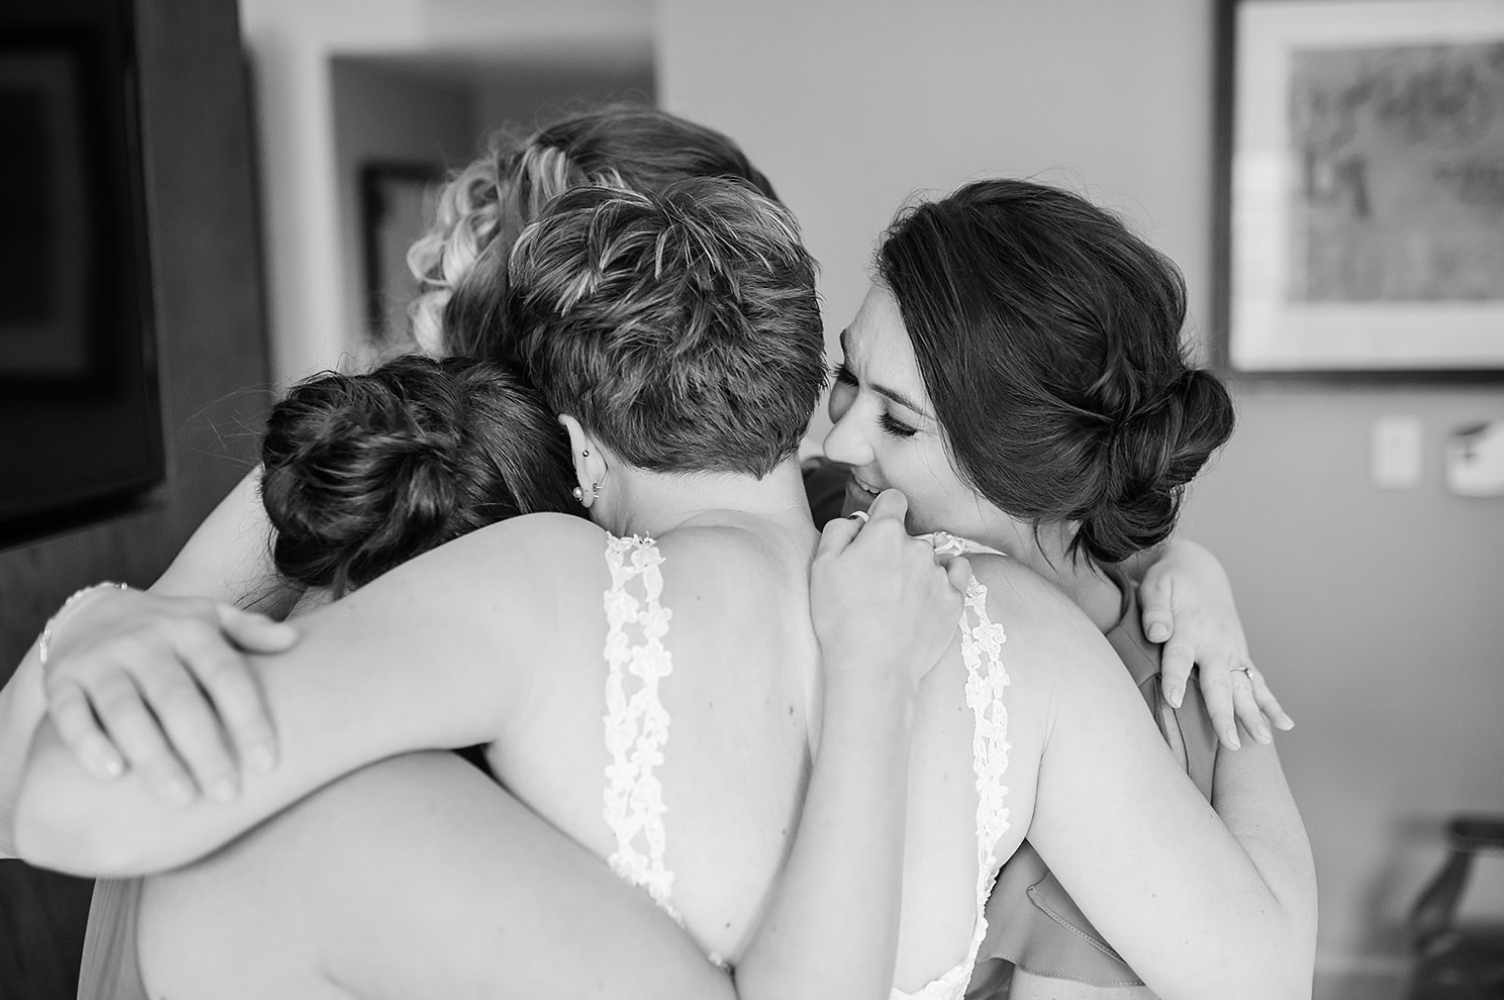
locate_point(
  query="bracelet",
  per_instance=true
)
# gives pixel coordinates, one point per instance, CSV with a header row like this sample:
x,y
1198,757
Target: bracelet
x,y
44,645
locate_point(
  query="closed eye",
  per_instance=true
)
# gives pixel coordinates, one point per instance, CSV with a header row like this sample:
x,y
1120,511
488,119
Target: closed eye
x,y
896,427
842,374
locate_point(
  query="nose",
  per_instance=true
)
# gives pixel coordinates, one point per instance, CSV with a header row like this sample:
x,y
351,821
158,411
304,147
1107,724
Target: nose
x,y
846,442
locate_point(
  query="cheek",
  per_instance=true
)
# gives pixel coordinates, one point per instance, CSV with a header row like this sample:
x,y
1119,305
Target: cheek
x,y
937,499
841,398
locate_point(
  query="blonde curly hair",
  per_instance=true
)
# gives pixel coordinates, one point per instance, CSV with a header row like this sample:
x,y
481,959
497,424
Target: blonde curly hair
x,y
461,262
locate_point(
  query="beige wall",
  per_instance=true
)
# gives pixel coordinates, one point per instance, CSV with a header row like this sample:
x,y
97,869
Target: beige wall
x,y
1378,614
291,44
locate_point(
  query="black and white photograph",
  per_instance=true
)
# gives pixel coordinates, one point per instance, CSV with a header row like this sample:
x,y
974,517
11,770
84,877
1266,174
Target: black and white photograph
x,y
797,500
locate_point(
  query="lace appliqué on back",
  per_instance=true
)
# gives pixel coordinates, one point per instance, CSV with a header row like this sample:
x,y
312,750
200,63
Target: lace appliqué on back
x,y
986,677
636,724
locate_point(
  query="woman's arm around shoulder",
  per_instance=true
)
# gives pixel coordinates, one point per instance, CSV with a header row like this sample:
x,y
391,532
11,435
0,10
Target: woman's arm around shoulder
x,y
1199,902
438,653
415,877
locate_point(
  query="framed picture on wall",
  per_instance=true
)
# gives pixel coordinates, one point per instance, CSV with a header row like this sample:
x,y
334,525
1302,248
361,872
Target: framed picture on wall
x,y
397,204
1361,187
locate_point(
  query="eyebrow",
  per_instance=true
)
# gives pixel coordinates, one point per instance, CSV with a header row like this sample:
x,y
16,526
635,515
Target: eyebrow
x,y
883,390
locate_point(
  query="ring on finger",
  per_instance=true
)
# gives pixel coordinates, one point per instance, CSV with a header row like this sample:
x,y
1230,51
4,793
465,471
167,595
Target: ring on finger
x,y
860,516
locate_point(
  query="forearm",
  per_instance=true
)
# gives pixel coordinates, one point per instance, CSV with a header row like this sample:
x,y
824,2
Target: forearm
x,y
832,928
419,659
1254,802
22,707
229,557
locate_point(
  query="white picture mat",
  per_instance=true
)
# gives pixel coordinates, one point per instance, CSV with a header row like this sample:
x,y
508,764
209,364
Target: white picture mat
x,y
1267,332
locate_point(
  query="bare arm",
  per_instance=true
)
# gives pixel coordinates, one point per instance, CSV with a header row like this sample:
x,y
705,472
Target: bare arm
x,y
422,658
21,709
229,557
418,877
1199,902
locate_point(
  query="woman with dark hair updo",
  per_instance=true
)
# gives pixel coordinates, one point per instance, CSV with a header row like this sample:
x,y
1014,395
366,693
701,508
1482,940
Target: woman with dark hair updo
x,y
1017,371
363,472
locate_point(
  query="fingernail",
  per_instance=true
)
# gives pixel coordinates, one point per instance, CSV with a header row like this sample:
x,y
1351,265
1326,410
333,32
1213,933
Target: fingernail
x,y
1231,739
178,790
261,758
1263,734
1174,695
1158,632
1285,722
222,790
112,765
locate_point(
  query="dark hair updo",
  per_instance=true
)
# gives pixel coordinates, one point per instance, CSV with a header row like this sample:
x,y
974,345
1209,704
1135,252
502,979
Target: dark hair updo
x,y
363,472
1048,338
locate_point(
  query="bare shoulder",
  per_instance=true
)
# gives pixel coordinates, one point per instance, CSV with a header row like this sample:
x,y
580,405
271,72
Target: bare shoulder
x,y
1052,647
530,551
734,555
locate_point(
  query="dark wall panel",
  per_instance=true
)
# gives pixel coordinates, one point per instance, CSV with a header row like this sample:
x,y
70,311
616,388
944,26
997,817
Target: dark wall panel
x,y
212,345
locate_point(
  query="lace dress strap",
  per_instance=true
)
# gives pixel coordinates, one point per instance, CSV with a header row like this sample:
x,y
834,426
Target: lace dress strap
x,y
986,678
636,723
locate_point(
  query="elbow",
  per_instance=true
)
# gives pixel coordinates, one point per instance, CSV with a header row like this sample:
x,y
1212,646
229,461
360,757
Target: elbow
x,y
1286,968
46,838
54,831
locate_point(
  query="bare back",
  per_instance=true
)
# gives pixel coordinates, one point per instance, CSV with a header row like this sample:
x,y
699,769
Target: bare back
x,y
720,773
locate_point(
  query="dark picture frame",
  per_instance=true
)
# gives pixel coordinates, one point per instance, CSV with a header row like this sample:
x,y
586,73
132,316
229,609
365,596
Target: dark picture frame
x,y
397,201
1359,189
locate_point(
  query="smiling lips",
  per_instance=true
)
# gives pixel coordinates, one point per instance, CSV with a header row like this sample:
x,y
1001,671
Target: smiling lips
x,y
858,496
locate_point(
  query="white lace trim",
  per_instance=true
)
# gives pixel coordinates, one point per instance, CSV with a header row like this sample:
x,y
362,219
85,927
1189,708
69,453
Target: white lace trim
x,y
636,724
989,751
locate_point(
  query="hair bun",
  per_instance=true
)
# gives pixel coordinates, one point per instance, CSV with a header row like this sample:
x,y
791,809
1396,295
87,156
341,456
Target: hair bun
x,y
363,472
1151,455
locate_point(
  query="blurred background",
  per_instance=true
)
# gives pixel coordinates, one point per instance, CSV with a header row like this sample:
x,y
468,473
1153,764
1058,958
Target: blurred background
x,y
288,147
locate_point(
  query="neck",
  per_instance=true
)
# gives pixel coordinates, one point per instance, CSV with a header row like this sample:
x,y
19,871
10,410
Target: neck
x,y
1090,589
655,503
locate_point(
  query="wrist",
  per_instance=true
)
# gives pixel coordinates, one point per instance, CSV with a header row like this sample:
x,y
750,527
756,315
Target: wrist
x,y
66,611
867,686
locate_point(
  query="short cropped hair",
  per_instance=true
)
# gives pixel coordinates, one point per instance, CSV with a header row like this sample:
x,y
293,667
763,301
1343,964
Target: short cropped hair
x,y
681,326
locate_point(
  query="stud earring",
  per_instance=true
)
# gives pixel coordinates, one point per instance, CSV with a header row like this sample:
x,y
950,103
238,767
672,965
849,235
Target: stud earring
x,y
578,494
595,491
585,453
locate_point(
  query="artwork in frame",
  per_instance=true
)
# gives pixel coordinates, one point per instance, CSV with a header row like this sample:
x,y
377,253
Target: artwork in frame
x,y
398,201
1361,187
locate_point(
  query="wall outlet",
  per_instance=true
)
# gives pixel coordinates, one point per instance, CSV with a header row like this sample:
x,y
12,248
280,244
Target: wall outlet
x,y
1396,453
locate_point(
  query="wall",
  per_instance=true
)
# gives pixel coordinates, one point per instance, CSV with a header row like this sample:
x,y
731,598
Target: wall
x,y
383,114
211,345
1377,614
291,43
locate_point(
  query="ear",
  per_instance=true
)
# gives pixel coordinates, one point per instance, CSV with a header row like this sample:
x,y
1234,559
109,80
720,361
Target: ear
x,y
590,464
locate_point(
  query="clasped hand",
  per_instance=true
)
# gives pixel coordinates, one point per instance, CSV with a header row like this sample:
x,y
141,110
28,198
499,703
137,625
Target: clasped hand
x,y
162,686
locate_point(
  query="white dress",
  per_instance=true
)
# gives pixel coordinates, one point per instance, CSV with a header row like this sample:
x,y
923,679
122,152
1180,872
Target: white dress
x,y
637,732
